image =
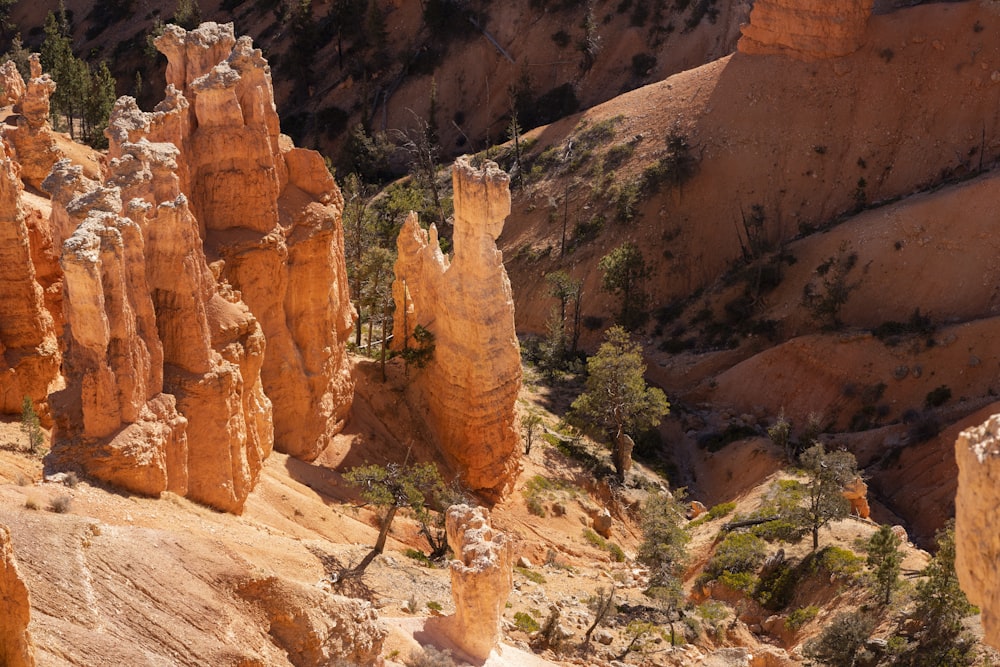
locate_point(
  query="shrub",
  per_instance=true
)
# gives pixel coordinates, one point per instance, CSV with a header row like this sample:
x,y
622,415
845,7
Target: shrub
x,y
775,589
429,656
937,397
525,622
739,552
800,617
530,575
745,582
841,641
840,563
642,64
31,503
60,504
419,556
434,605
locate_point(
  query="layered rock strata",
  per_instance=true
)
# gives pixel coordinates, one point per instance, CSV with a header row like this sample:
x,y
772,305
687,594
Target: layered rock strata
x,y
33,142
473,376
977,512
481,579
806,29
16,646
269,211
29,350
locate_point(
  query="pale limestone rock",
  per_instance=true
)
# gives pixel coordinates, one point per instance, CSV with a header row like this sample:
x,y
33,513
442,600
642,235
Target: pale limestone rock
x,y
11,84
977,514
473,377
806,29
16,647
32,139
857,494
29,351
481,579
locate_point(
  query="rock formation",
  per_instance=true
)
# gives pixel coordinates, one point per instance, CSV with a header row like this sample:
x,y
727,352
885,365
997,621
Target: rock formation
x,y
472,379
269,211
29,352
11,84
169,299
314,627
162,364
806,29
856,493
481,579
977,542
16,647
32,139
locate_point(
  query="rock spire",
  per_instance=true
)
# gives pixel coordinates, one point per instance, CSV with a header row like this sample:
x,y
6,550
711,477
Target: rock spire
x,y
472,379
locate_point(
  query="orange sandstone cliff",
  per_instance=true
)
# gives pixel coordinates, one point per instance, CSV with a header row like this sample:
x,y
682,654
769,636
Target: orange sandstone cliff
x,y
474,374
33,142
806,29
271,213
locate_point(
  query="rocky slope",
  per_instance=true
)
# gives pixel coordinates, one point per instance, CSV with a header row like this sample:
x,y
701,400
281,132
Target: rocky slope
x,y
726,343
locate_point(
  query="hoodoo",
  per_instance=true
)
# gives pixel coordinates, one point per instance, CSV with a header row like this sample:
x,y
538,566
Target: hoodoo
x,y
472,379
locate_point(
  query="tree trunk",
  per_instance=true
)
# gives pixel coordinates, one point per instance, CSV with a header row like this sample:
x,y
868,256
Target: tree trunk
x,y
383,533
385,320
815,532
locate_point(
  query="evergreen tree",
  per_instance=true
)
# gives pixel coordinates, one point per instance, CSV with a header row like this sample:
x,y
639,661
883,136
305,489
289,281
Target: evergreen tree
x,y
828,473
617,400
625,273
886,559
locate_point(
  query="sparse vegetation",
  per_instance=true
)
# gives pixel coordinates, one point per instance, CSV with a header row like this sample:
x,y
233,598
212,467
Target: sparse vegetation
x,y
937,397
886,560
60,504
31,426
842,640
826,294
625,274
800,617
526,622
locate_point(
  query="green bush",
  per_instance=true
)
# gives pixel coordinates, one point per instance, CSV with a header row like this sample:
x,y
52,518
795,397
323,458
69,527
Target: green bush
x,y
776,588
800,617
525,622
739,581
840,563
530,575
738,553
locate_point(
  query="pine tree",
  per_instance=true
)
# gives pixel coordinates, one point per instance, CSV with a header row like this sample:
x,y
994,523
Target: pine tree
x,y
886,559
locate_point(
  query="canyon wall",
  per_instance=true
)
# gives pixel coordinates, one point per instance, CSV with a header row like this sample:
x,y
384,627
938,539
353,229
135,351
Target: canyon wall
x,y
977,542
806,29
473,376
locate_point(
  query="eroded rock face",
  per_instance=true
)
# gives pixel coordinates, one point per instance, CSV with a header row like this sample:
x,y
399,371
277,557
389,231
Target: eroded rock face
x,y
481,579
806,29
271,213
163,365
856,493
474,374
16,647
32,139
314,627
11,84
29,351
977,513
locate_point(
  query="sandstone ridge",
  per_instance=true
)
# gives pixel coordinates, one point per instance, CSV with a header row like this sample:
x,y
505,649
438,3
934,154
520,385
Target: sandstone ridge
x,y
806,29
472,379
